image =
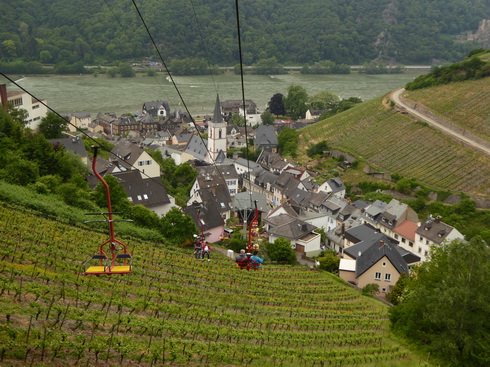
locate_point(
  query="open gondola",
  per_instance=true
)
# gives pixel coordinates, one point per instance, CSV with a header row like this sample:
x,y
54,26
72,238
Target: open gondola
x,y
120,260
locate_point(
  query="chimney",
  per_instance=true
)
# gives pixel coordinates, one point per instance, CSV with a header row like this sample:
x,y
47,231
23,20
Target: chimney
x,y
381,243
3,96
342,231
438,219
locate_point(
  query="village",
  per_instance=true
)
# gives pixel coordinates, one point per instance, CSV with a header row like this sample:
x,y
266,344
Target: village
x,y
376,241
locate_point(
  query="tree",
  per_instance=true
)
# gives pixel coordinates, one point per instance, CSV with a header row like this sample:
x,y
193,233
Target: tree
x,y
447,303
177,226
52,126
9,48
276,105
370,289
295,102
287,141
21,172
126,70
318,150
323,100
396,294
119,197
329,262
268,66
404,185
144,217
267,118
281,251
237,119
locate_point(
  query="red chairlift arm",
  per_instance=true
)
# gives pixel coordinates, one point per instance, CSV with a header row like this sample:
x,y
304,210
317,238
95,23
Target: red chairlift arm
x,y
251,226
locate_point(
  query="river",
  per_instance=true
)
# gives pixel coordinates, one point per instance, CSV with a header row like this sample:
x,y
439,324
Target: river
x,y
66,94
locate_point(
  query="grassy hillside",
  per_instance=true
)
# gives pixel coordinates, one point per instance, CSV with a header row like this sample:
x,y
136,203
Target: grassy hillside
x,y
172,309
396,143
465,104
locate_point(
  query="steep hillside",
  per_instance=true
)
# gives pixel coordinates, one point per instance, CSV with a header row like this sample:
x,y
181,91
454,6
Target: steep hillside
x,y
465,104
293,31
396,143
172,309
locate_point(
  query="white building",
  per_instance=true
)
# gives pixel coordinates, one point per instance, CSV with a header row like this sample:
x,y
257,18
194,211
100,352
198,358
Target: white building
x,y
22,100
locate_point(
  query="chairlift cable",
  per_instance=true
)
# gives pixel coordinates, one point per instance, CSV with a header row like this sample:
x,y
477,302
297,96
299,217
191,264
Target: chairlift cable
x,y
239,38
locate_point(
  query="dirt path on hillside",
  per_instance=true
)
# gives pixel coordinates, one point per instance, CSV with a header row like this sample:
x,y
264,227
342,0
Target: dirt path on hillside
x,y
422,113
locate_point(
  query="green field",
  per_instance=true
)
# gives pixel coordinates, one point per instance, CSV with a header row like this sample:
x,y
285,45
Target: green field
x,y
395,143
465,104
174,310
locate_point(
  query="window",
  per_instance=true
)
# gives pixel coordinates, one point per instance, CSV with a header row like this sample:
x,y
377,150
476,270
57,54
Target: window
x,y
377,276
148,162
403,240
396,236
420,250
421,239
384,264
426,253
35,106
410,243
139,197
387,277
383,290
141,163
17,102
427,242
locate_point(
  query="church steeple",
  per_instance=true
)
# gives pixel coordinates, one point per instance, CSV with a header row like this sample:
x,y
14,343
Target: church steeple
x,y
216,133
217,117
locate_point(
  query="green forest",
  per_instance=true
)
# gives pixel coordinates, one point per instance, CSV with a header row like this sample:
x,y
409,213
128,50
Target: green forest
x,y
294,32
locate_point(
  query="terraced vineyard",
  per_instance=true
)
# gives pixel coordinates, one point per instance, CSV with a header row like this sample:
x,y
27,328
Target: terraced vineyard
x,y
396,143
172,309
465,104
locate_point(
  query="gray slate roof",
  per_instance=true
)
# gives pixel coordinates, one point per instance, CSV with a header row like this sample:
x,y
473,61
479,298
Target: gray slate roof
x,y
209,214
228,171
245,201
292,230
74,145
197,147
369,252
434,230
147,192
265,136
364,232
336,184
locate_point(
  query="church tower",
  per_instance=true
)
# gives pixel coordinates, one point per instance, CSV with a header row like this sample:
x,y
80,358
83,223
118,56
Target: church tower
x,y
216,134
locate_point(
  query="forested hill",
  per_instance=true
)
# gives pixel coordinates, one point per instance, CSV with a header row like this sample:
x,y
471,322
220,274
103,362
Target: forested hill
x,y
293,31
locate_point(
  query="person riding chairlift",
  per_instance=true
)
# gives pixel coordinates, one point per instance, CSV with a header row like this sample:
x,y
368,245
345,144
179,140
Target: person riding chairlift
x,y
206,251
241,256
256,260
197,249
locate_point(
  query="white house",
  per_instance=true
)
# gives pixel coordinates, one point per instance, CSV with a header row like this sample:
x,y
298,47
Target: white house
x,y
22,100
433,231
